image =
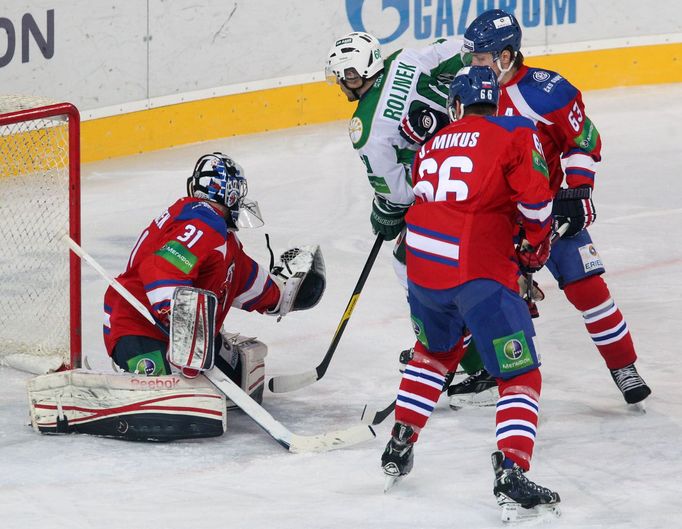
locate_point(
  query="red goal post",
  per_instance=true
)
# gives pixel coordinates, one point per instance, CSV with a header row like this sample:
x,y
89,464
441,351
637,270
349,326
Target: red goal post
x,y
40,279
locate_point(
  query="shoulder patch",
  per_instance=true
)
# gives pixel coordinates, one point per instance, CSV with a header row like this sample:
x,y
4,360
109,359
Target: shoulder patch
x,y
546,91
541,76
355,130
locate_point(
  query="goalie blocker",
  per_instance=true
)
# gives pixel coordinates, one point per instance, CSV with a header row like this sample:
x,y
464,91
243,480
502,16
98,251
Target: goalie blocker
x,y
126,406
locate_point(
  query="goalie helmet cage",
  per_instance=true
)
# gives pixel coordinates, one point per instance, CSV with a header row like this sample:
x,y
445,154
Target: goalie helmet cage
x,y
40,281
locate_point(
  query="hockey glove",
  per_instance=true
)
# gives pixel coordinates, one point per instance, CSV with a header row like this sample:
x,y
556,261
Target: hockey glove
x,y
387,218
419,126
302,277
574,206
531,259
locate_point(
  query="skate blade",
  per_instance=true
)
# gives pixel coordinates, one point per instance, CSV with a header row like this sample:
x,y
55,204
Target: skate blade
x,y
513,513
390,482
484,399
638,407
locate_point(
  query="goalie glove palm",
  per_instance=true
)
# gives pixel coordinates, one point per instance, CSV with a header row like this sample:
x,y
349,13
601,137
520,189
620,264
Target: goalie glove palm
x,y
419,126
301,274
574,206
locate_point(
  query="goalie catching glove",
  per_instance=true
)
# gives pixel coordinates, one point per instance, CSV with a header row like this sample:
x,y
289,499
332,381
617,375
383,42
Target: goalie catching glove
x,y
574,206
419,126
302,278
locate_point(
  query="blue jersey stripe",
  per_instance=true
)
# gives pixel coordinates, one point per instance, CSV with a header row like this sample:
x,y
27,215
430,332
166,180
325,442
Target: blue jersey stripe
x,y
414,402
518,400
611,335
435,258
432,234
419,374
168,283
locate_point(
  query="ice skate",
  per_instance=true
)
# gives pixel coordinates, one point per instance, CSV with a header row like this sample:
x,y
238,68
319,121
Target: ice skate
x,y
398,458
520,498
632,386
478,389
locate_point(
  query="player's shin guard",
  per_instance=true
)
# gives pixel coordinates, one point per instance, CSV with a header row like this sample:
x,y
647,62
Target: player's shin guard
x,y
422,384
516,417
603,320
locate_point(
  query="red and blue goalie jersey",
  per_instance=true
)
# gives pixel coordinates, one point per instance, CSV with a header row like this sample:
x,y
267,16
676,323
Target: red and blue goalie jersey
x,y
472,182
187,245
568,136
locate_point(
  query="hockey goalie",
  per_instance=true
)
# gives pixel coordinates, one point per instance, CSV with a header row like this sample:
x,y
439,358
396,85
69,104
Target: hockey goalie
x,y
184,273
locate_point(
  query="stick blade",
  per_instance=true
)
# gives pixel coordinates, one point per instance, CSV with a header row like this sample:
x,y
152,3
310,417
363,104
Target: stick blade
x,y
375,417
286,383
332,440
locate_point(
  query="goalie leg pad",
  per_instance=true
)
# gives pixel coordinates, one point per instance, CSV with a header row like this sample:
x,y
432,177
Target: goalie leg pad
x,y
126,406
302,271
192,330
243,360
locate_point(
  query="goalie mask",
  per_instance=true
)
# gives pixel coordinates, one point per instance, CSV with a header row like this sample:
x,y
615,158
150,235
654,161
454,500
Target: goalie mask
x,y
218,178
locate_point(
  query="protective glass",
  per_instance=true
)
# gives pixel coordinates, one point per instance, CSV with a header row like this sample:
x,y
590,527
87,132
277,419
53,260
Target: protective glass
x,y
249,215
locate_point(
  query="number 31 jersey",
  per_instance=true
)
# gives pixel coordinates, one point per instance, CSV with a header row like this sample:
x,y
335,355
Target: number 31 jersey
x,y
187,245
473,182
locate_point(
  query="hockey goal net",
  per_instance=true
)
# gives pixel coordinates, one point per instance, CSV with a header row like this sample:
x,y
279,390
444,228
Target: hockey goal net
x,y
40,320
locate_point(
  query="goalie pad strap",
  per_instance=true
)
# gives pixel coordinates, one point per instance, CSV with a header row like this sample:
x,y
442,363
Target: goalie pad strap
x,y
126,406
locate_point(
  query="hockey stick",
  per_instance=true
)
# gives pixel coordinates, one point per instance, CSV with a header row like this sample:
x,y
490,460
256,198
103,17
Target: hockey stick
x,y
372,417
556,235
291,441
284,383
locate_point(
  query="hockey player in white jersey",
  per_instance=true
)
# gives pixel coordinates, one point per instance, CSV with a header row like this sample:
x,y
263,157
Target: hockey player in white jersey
x,y
408,82
386,91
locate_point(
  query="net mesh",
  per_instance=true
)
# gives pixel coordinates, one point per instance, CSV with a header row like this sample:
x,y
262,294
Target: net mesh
x,y
34,260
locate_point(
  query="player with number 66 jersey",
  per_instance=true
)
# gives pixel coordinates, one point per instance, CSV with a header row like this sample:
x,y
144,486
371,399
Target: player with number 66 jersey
x,y
471,182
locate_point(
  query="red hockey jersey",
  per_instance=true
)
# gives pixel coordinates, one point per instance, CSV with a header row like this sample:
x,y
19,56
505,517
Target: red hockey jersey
x,y
187,245
556,107
471,181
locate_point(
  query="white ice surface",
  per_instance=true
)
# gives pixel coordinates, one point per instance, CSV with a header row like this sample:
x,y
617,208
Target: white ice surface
x,y
612,467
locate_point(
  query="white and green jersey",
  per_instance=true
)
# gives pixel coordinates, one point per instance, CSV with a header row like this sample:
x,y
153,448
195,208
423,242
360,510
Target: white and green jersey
x,y
412,79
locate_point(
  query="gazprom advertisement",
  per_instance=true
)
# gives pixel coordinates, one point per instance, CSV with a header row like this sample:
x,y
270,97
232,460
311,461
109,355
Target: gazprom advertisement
x,y
434,19
113,52
545,23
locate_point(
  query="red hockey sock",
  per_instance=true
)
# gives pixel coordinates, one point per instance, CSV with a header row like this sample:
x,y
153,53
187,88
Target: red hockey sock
x,y
603,320
422,384
517,416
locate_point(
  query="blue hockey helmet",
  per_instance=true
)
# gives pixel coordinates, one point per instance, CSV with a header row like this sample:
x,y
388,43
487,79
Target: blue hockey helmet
x,y
473,85
492,32
218,178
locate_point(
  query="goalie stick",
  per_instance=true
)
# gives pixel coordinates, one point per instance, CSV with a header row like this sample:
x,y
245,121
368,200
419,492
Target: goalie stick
x,y
289,440
374,417
285,383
